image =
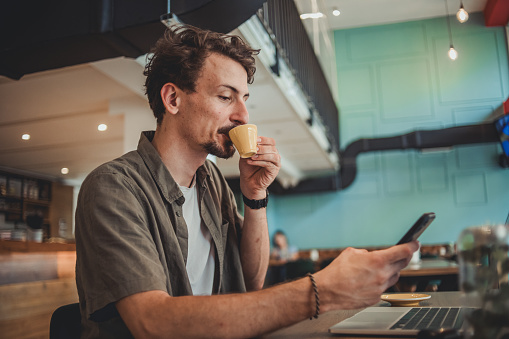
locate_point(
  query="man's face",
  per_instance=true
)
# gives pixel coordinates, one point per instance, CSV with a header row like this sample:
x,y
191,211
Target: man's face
x,y
216,106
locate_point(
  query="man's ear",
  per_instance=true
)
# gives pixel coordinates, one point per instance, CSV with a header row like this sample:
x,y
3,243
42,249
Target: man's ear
x,y
170,97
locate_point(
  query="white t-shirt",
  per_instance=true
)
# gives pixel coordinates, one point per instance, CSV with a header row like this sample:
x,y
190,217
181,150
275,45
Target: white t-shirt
x,y
200,248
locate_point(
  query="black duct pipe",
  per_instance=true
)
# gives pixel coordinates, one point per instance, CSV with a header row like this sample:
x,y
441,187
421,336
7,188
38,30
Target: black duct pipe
x,y
448,137
442,138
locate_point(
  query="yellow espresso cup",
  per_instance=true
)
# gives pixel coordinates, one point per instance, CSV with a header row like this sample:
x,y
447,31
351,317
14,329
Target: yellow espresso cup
x,y
244,138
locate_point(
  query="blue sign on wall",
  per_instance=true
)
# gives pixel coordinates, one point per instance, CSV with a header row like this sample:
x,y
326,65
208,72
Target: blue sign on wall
x,y
502,125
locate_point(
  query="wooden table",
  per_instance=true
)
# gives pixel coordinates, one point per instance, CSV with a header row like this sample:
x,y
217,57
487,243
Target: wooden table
x,y
430,267
318,328
421,277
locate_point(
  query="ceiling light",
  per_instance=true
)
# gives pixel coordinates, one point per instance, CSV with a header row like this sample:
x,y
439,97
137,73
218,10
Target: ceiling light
x,y
462,15
64,170
336,12
102,127
316,15
453,55
25,136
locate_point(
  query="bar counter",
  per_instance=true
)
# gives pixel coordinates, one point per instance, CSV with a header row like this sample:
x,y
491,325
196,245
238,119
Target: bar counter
x,y
35,279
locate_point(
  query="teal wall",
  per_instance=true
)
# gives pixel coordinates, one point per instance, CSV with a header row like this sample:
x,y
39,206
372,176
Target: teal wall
x,y
394,79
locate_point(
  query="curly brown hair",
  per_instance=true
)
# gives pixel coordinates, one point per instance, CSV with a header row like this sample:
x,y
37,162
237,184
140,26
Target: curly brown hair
x,y
179,55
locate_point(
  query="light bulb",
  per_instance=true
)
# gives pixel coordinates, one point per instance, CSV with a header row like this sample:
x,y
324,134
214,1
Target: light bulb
x,y
336,12
315,15
102,127
453,55
462,15
25,136
64,170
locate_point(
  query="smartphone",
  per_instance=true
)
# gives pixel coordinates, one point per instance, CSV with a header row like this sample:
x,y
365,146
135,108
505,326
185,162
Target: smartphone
x,y
420,225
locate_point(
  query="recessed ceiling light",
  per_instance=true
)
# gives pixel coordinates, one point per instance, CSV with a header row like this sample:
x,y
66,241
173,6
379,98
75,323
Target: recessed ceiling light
x,y
315,15
336,12
25,136
102,127
64,170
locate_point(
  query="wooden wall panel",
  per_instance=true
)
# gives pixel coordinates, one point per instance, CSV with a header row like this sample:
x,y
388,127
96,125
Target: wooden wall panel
x,y
26,267
32,286
26,308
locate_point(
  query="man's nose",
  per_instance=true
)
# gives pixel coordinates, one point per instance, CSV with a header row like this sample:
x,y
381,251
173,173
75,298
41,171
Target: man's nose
x,y
240,115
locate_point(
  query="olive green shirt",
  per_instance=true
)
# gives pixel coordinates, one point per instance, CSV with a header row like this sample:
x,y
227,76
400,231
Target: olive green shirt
x,y
131,236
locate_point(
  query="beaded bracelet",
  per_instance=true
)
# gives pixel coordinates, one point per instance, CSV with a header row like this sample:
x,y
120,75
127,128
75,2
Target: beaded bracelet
x,y
317,297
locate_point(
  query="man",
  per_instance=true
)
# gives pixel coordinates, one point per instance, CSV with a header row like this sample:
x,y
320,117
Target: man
x,y
161,249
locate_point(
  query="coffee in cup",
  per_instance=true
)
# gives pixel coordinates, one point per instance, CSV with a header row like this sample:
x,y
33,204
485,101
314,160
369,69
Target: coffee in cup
x,y
244,137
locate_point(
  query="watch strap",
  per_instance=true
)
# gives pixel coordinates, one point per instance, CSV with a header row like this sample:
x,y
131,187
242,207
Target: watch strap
x,y
256,204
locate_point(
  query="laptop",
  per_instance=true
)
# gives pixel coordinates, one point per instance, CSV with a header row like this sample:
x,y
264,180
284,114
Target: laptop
x,y
400,320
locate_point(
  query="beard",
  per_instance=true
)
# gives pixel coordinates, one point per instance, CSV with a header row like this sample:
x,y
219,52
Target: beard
x,y
224,151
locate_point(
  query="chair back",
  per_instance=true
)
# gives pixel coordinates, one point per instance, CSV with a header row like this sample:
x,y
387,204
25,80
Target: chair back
x,y
66,322
299,268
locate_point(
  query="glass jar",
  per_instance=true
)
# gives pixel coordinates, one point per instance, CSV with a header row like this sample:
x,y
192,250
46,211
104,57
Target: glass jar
x,y
483,254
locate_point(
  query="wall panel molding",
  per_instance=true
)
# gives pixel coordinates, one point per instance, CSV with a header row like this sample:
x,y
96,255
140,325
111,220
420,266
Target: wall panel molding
x,y
405,90
470,189
478,64
397,173
471,114
361,93
387,42
432,173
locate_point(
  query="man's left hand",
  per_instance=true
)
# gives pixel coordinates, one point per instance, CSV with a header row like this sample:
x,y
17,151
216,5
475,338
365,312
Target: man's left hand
x,y
259,171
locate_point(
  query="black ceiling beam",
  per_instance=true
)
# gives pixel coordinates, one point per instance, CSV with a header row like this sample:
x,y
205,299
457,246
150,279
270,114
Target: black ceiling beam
x,y
221,16
44,35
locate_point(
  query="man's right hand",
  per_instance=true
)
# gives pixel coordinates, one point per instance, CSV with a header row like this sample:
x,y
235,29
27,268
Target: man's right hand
x,y
357,278
353,280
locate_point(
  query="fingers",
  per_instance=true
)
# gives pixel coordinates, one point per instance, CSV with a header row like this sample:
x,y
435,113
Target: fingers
x,y
265,160
267,154
266,141
393,280
399,252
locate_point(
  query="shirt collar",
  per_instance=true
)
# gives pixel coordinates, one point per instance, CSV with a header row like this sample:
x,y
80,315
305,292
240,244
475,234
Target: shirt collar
x,y
160,173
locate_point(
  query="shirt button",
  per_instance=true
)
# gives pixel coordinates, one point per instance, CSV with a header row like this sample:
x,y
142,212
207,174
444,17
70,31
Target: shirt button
x,y
178,214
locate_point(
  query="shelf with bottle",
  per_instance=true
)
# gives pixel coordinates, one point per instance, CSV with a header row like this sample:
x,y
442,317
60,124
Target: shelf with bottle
x,y
21,195
36,202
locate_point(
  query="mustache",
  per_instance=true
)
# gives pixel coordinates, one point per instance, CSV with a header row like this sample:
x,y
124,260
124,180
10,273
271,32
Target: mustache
x,y
226,129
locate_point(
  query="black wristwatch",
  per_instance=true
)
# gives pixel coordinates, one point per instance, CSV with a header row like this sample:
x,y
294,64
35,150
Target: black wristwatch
x,y
256,204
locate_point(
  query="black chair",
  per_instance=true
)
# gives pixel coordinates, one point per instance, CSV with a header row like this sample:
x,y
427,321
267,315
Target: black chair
x,y
66,322
299,268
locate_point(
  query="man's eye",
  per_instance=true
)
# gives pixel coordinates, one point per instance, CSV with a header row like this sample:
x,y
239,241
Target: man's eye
x,y
224,98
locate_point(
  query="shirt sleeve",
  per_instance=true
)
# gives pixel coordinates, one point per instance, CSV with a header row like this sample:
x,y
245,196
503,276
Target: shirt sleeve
x,y
116,255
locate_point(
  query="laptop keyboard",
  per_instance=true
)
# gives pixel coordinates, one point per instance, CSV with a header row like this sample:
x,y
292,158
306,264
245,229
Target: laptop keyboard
x,y
430,318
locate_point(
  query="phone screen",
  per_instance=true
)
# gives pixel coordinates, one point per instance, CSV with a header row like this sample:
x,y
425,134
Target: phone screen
x,y
416,230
